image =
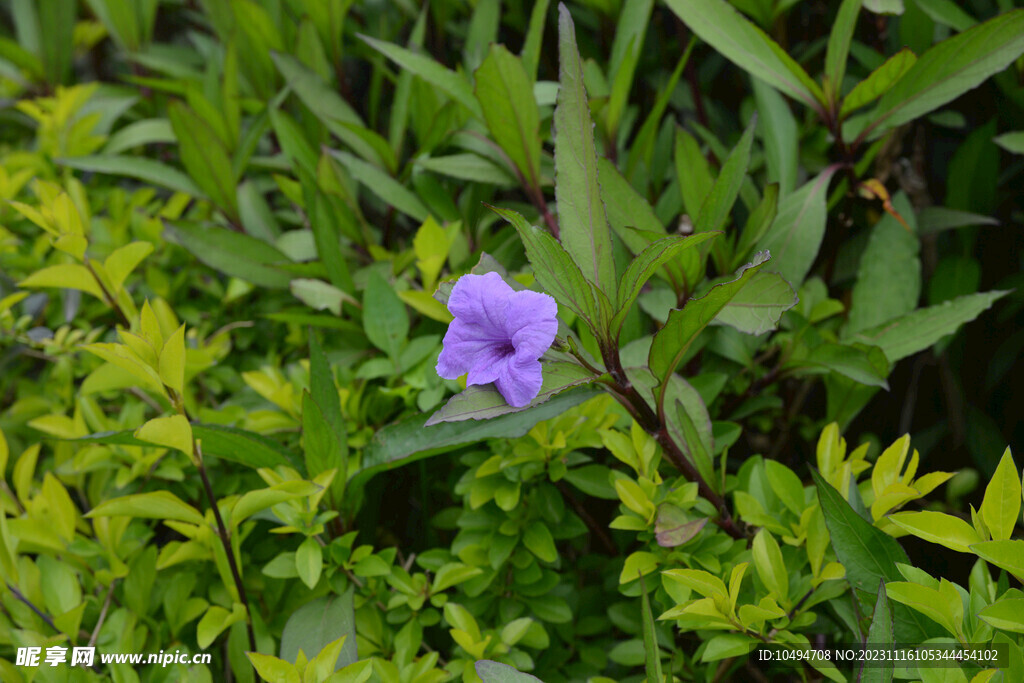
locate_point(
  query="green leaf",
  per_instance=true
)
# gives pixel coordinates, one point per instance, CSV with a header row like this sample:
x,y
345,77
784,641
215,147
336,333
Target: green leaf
x,y
227,443
494,672
483,402
799,226
141,168
169,432
726,645
389,190
324,447
468,166
938,218
878,81
748,47
626,208
920,329
839,47
937,527
849,361
757,306
215,621
534,37
1005,613
879,633
693,172
778,130
674,339
538,540
155,505
645,265
205,158
273,669
172,361
949,69
652,655
889,276
309,562
318,623
319,295
715,210
232,253
869,556
384,316
449,82
1000,509
947,13
505,92
558,274
65,276
410,440
786,485
1012,142
254,501
770,566
583,226
1006,554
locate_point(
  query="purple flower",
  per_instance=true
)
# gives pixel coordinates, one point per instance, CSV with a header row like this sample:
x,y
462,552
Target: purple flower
x,y
498,335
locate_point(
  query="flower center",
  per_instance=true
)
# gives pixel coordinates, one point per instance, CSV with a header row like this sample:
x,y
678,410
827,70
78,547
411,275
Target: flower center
x,y
506,348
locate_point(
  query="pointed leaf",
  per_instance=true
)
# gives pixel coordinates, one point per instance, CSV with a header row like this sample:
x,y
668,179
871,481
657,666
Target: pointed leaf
x,y
583,226
1001,506
748,47
949,69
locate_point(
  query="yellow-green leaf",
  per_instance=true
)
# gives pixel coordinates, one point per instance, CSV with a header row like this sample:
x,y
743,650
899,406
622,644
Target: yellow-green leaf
x,y
1000,508
67,276
123,260
172,361
1008,555
172,432
1007,614
770,566
155,505
938,527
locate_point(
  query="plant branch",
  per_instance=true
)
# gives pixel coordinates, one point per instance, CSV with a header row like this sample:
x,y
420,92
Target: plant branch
x,y
656,427
225,539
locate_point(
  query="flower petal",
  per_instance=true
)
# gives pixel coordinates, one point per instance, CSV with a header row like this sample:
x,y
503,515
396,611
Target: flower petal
x,y
481,300
520,382
531,323
465,350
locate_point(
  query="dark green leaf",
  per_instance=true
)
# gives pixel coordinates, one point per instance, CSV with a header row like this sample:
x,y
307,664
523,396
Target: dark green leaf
x,y
505,92
748,47
228,443
869,556
889,277
920,329
482,402
878,81
949,69
583,226
140,168
384,316
839,47
493,672
318,623
451,83
715,209
644,266
799,226
880,634
232,253
674,339
205,157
